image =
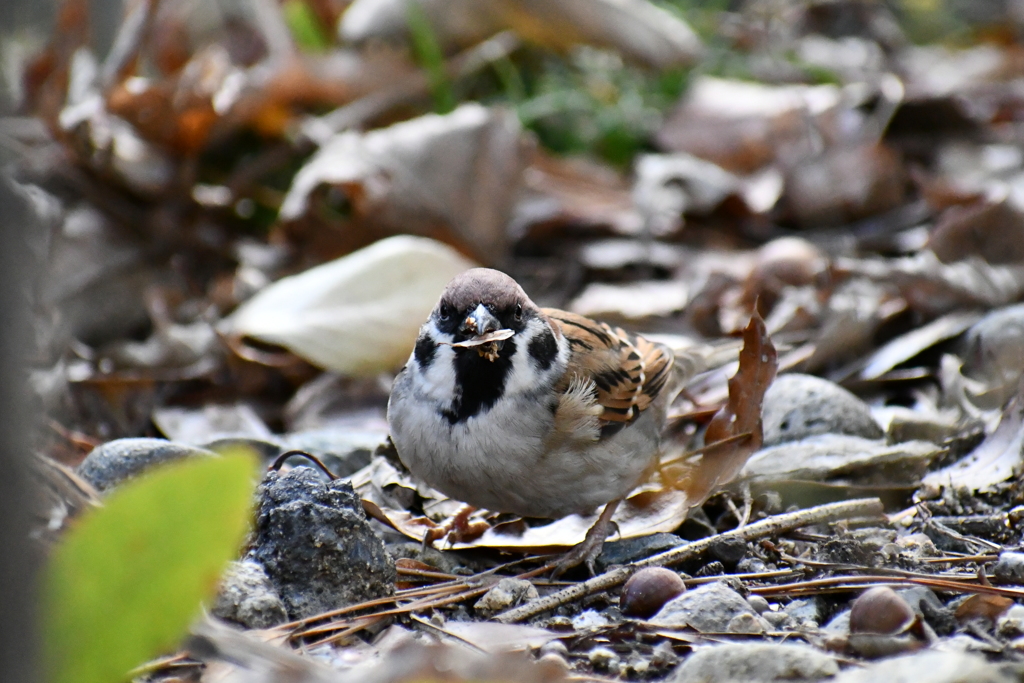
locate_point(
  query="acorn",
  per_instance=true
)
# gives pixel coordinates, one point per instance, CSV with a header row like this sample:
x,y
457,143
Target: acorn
x,y
648,590
880,610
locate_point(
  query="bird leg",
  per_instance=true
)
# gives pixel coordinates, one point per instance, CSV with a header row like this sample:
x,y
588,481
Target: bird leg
x,y
588,550
458,529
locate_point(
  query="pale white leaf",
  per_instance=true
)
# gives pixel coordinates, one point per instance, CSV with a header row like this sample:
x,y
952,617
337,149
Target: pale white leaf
x,y
359,314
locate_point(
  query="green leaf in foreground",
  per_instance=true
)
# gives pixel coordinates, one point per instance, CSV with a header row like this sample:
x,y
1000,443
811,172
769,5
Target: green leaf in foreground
x,y
127,580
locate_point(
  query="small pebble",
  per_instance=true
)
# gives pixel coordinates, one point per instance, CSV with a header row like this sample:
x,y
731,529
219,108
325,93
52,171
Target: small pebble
x,y
804,612
728,551
588,620
559,623
556,647
1011,623
664,656
506,593
555,663
603,659
707,608
248,598
1009,568
759,604
746,623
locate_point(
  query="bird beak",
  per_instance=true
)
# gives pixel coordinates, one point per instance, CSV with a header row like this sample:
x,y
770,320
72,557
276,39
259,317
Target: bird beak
x,y
487,336
479,322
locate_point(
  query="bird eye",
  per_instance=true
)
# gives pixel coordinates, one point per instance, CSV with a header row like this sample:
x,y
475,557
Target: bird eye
x,y
445,312
519,311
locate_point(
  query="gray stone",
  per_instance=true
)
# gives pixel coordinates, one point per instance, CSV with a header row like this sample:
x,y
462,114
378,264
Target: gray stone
x,y
759,603
802,611
755,663
729,551
632,549
590,620
931,667
316,545
915,595
1011,623
116,461
603,659
797,406
993,352
247,597
709,609
506,593
747,622
1009,568
839,624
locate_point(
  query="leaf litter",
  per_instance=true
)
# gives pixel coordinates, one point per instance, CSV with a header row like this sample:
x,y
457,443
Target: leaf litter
x,y
247,217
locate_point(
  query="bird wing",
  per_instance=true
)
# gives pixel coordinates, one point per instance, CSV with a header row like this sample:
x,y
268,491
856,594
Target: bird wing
x,y
627,371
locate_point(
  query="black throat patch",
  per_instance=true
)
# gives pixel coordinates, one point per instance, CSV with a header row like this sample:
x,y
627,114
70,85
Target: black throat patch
x,y
482,381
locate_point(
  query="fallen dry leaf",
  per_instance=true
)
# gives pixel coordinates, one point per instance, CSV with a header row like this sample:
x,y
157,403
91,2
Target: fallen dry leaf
x,y
357,315
982,606
647,510
992,230
740,416
453,177
934,288
743,126
995,460
638,29
906,346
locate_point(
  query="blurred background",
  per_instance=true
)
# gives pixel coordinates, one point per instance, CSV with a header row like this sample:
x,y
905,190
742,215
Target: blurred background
x,y
623,158
228,218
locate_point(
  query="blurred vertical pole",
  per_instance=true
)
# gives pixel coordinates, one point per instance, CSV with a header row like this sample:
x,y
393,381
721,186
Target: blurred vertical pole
x,y
19,558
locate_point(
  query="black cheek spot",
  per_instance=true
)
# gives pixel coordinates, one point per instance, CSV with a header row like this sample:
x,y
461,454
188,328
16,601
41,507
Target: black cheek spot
x,y
425,351
544,349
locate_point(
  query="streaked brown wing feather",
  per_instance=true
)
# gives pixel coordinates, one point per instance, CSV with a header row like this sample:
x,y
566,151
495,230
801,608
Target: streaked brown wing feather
x,y
628,371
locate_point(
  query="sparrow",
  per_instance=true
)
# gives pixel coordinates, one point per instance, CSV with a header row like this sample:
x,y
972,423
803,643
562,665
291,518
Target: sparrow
x,y
533,411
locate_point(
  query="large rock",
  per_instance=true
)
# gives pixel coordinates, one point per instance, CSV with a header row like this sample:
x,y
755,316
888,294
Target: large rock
x,y
797,406
116,461
316,545
756,663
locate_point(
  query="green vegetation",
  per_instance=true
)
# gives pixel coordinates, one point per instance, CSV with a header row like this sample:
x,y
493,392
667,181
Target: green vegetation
x,y
129,577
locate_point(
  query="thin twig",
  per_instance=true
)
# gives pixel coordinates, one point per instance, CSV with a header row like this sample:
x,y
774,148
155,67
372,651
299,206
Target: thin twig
x,y
835,584
822,514
279,461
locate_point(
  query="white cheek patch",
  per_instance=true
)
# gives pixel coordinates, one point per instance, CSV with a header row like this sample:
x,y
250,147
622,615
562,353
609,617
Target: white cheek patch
x,y
438,378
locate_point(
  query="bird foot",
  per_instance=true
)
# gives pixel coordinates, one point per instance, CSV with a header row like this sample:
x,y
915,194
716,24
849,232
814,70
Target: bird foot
x,y
588,550
458,529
